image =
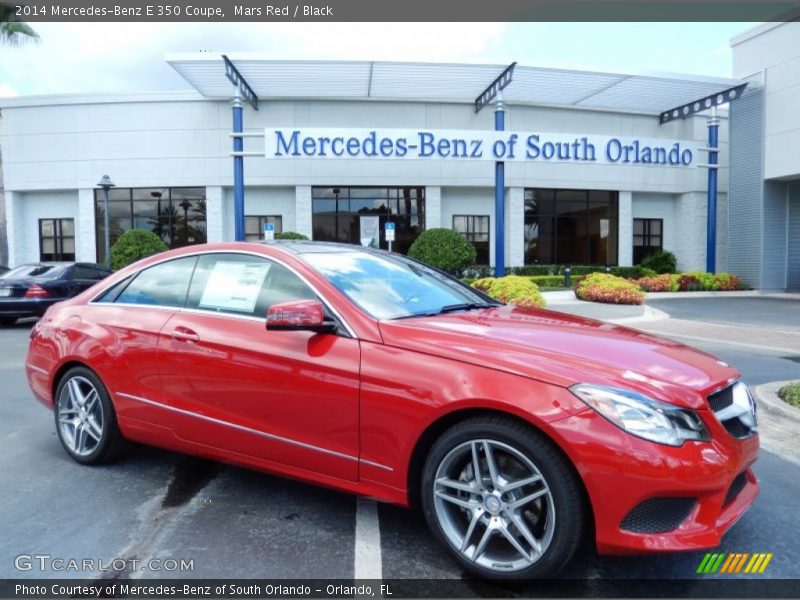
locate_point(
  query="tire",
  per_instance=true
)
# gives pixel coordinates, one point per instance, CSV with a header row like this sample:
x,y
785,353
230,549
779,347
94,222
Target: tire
x,y
531,493
86,422
7,321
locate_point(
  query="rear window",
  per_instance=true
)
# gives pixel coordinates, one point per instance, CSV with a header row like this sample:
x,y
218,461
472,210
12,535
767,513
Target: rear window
x,y
36,272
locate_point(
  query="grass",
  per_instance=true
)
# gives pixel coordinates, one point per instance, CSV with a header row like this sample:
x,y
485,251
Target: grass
x,y
791,393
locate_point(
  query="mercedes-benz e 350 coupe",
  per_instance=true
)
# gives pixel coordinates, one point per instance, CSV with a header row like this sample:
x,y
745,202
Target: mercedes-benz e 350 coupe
x,y
514,431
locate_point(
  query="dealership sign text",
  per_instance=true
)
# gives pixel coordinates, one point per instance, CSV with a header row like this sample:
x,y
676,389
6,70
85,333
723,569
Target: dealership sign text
x,y
460,144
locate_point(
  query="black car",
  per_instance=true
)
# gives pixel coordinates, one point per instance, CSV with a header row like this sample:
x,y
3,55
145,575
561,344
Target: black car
x,y
29,290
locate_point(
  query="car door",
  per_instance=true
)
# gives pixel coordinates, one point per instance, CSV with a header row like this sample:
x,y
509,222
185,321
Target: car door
x,y
127,320
287,397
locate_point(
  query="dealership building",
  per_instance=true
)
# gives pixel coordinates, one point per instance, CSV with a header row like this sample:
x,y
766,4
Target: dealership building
x,y
591,173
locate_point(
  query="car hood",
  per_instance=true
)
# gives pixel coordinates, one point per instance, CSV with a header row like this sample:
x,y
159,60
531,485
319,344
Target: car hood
x,y
564,350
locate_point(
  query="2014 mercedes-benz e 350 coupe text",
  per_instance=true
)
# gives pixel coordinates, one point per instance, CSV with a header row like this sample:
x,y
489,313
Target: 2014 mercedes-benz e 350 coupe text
x,y
515,431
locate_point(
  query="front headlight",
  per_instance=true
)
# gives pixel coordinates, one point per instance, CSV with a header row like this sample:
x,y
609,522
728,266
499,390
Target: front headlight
x,y
642,416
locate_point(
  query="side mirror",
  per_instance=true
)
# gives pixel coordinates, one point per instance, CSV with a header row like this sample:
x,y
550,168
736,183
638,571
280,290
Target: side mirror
x,y
299,315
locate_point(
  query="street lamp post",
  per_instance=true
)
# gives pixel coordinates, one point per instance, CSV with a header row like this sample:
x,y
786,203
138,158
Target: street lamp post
x,y
106,184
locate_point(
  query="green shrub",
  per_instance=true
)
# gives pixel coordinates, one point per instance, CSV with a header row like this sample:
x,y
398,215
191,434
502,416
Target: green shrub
x,y
483,284
133,245
634,272
512,289
791,393
661,262
548,281
444,249
290,235
728,282
610,289
697,281
658,283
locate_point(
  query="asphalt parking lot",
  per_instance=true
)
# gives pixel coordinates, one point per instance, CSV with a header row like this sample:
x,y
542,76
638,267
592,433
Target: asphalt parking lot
x,y
235,523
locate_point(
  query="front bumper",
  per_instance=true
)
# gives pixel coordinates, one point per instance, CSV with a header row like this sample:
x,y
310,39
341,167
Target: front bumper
x,y
712,480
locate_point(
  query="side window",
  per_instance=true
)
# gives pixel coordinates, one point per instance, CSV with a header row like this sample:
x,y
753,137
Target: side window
x,y
243,284
110,295
84,272
164,284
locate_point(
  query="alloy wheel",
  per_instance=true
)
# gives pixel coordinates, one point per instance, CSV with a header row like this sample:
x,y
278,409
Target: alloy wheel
x,y
494,505
80,416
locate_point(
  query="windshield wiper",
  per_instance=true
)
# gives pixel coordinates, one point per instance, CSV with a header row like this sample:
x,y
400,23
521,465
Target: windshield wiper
x,y
447,309
464,306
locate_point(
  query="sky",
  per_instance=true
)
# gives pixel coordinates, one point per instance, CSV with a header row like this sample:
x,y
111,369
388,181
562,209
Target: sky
x,y
128,57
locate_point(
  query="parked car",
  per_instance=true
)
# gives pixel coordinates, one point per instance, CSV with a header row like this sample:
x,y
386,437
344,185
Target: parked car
x,y
514,431
29,290
3,270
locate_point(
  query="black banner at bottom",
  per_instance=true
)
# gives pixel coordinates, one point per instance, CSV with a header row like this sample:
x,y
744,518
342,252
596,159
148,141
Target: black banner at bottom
x,y
399,588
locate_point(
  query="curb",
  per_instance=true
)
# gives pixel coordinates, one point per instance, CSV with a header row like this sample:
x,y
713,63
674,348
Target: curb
x,y
768,400
650,314
690,295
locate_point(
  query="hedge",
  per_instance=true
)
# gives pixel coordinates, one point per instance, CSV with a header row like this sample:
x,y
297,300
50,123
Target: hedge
x,y
661,262
444,249
512,289
634,272
290,235
134,245
609,289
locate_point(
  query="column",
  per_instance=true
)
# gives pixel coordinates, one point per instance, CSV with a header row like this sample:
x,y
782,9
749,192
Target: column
x,y
15,234
433,207
302,210
238,170
515,226
625,230
86,230
215,215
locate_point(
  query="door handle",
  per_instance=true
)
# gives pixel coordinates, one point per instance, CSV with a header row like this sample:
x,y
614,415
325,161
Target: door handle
x,y
185,334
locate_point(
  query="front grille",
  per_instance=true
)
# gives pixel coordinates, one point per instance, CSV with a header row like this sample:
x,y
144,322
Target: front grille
x,y
736,487
721,399
658,515
737,421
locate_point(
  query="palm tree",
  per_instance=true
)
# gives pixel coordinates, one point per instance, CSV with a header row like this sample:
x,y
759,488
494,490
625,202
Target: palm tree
x,y
12,33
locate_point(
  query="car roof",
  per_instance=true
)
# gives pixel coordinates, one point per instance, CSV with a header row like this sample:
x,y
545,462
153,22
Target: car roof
x,y
312,247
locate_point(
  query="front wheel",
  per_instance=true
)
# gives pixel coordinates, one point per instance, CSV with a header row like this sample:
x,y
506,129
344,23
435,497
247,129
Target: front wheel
x,y
503,499
85,418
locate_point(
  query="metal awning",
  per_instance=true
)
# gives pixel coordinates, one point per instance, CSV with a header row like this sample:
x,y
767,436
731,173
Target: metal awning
x,y
441,82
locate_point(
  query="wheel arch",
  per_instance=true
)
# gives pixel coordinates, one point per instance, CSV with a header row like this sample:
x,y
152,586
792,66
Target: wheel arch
x,y
444,422
62,370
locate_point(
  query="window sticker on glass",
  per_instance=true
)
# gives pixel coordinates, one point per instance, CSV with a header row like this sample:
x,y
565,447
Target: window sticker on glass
x,y
234,286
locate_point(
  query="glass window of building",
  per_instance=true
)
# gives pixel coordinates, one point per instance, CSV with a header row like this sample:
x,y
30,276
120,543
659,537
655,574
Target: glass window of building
x,y
56,239
176,215
571,227
337,212
647,238
476,229
254,226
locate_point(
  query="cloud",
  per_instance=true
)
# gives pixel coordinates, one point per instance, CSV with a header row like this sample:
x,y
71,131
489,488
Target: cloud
x,y
124,57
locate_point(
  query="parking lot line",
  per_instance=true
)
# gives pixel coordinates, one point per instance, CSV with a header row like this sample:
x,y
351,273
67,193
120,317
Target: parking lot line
x,y
368,540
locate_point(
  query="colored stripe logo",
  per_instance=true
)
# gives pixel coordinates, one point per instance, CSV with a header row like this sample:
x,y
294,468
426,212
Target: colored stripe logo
x,y
729,563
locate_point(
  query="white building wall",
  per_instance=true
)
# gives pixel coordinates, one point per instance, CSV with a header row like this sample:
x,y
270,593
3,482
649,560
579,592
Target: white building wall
x,y
469,201
144,140
625,235
772,51
655,206
85,233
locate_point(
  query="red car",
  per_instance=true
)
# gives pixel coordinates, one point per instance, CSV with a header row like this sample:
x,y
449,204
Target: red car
x,y
514,431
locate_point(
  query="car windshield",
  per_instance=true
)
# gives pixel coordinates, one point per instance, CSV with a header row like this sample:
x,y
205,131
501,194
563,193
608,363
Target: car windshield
x,y
34,271
391,286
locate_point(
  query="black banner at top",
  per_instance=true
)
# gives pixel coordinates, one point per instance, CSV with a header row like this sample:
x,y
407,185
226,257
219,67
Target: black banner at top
x,y
405,10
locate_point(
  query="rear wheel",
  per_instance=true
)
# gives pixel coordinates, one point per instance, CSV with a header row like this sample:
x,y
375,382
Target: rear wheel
x,y
503,499
85,418
7,321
